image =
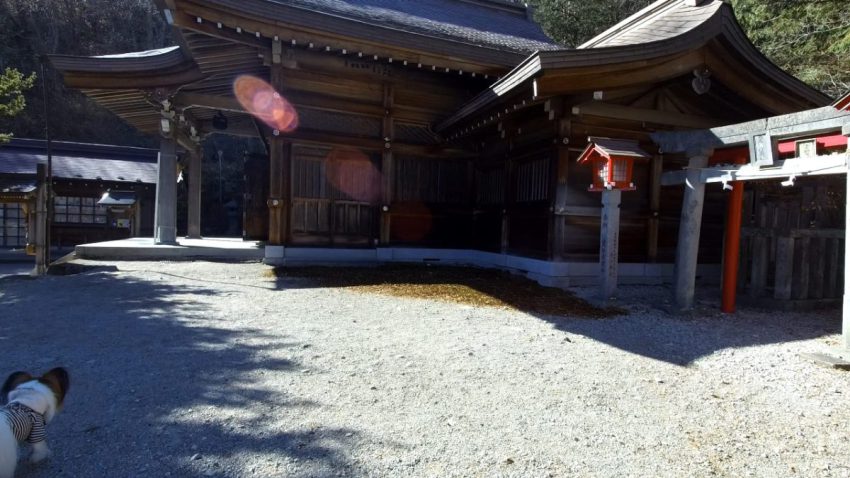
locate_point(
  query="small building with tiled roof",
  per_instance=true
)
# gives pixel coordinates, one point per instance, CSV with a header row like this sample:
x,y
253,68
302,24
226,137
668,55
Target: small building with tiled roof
x,y
82,174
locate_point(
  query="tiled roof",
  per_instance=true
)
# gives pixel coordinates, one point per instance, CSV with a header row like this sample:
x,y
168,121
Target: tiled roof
x,y
81,161
618,147
118,198
843,103
16,185
662,20
486,23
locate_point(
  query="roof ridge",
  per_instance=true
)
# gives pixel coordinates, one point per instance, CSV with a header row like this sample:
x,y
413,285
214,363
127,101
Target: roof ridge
x,y
521,6
79,147
641,16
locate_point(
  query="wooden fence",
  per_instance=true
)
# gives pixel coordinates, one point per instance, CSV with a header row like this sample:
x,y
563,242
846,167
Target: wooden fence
x,y
792,264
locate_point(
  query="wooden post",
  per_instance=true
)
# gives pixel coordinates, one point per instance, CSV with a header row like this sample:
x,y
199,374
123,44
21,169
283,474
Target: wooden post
x,y
40,230
687,249
280,168
845,327
655,168
506,132
561,172
280,200
731,253
387,168
783,282
137,218
165,213
194,220
609,241
760,251
506,207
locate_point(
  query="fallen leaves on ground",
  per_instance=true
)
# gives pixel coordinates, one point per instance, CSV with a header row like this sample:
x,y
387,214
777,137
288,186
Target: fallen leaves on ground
x,y
460,285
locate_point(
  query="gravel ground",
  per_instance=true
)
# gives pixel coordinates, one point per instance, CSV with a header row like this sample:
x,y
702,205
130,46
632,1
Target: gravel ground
x,y
201,369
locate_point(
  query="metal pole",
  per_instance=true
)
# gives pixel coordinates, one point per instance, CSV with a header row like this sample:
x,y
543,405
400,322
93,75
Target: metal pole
x,y
49,159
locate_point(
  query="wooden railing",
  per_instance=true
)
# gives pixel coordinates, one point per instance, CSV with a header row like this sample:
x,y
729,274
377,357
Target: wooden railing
x,y
332,217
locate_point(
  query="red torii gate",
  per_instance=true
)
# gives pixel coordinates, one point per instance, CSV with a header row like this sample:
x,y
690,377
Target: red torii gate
x,y
761,144
739,156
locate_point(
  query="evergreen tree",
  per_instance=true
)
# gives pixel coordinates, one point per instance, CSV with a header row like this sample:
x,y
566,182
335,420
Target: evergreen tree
x,y
808,38
572,22
13,84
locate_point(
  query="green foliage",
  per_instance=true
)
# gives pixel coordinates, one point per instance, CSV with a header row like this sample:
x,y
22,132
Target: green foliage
x,y
572,22
30,29
808,38
13,84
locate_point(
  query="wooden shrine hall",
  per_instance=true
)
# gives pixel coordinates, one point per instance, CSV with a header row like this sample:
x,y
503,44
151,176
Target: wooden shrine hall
x,y
445,129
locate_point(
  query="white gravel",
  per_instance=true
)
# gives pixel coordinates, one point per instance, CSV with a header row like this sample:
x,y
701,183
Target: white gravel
x,y
203,369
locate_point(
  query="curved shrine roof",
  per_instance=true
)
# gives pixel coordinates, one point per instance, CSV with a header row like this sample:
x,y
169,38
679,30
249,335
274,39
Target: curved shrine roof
x,y
659,21
662,30
485,23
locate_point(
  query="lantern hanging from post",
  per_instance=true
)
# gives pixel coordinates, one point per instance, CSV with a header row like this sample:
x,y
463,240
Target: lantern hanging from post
x,y
613,162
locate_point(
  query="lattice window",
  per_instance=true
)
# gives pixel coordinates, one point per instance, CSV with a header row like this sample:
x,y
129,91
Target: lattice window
x,y
491,186
78,210
532,180
432,180
13,225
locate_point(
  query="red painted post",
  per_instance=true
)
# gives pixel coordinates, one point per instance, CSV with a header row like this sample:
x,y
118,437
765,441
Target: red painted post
x,y
733,247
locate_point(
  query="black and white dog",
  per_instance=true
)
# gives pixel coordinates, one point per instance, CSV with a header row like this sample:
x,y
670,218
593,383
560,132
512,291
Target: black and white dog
x,y
29,404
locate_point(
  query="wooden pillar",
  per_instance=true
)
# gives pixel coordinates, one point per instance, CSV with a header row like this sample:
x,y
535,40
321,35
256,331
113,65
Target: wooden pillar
x,y
506,207
280,165
165,212
506,133
609,242
561,173
280,194
732,251
387,168
137,218
194,209
655,168
40,230
845,327
687,249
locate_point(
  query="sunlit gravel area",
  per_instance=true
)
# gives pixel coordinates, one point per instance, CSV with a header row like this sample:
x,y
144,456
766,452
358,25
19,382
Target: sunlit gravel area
x,y
192,369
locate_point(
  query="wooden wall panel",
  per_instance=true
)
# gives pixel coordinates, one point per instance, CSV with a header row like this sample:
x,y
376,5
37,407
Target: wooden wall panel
x,y
432,181
335,195
533,180
490,186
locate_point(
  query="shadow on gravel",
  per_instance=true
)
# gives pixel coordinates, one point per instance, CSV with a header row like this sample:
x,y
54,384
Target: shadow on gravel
x,y
680,340
157,389
670,338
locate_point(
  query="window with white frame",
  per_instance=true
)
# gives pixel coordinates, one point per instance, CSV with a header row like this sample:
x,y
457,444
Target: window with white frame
x,y
78,210
13,225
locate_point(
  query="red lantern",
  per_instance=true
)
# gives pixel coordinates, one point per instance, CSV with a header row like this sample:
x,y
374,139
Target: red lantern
x,y
613,162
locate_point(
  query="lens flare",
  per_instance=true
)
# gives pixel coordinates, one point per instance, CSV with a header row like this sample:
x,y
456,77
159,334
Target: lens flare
x,y
351,172
266,104
412,222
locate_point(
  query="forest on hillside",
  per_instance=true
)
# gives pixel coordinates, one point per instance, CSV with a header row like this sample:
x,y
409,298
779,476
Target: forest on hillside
x,y
809,38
